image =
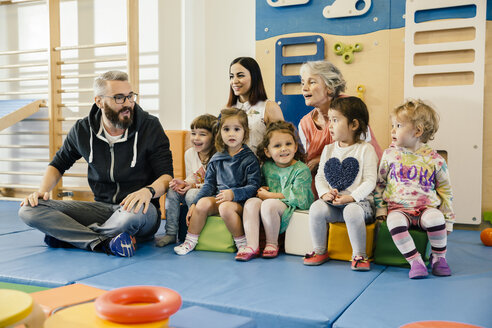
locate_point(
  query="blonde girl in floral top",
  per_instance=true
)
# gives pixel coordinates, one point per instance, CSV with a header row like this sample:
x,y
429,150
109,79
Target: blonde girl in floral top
x,y
413,187
286,187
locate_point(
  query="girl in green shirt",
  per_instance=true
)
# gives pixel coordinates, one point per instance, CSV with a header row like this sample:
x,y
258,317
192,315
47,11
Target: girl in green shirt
x,y
286,187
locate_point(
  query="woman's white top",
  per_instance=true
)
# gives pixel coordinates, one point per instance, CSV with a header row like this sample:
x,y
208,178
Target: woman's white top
x,y
256,122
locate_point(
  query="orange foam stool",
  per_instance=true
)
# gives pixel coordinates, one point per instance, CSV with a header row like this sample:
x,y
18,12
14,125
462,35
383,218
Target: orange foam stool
x,y
56,298
179,142
339,247
85,316
136,306
18,308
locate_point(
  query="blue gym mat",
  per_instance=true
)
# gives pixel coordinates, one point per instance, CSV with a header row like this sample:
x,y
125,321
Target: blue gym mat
x,y
276,293
197,316
393,300
27,260
9,221
57,267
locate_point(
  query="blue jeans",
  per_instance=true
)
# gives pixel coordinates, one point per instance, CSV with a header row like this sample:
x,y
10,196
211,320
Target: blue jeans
x,y
173,202
86,224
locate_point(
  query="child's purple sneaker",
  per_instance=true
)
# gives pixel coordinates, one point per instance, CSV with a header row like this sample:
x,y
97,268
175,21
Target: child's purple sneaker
x,y
417,270
441,268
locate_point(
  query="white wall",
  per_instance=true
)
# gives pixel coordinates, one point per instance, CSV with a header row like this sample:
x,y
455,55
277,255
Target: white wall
x,y
186,47
215,32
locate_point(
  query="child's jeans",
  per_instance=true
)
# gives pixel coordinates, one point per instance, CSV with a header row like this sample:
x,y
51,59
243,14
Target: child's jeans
x,y
173,203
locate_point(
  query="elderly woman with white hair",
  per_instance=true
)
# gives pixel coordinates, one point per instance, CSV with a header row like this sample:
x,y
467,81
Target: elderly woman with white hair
x,y
321,82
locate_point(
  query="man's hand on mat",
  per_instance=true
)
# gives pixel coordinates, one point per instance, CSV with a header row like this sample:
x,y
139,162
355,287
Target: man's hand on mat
x,y
136,199
32,199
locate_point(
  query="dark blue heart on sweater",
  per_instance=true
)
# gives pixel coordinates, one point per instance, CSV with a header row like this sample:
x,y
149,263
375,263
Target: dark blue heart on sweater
x,y
340,176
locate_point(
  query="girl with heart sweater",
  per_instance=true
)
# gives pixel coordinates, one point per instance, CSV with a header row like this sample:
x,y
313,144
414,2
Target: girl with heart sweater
x,y
345,181
322,82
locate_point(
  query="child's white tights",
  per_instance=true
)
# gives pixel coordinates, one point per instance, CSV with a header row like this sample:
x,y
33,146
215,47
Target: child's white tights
x,y
270,211
354,215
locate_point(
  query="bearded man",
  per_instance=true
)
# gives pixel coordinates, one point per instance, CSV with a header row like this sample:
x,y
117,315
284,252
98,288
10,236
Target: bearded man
x,y
129,168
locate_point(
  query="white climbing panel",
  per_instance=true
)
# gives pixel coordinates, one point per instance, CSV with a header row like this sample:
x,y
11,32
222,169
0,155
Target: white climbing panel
x,y
346,8
455,86
284,3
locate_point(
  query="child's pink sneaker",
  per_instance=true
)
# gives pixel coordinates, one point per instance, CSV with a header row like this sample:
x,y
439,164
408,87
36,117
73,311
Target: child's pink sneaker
x,y
244,255
184,248
270,251
315,259
417,270
441,268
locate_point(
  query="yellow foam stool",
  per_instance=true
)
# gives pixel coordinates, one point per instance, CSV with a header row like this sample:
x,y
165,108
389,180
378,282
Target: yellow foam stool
x,y
17,308
85,316
339,247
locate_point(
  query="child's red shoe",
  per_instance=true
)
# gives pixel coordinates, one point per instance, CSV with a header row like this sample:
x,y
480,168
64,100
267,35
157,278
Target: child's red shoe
x,y
270,251
315,259
360,263
243,255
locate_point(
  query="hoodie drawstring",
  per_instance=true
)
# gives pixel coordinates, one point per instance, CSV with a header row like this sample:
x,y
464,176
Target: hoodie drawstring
x,y
134,160
90,154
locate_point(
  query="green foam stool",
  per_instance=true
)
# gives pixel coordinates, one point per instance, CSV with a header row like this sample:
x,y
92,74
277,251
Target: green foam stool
x,y
21,287
215,237
487,216
386,252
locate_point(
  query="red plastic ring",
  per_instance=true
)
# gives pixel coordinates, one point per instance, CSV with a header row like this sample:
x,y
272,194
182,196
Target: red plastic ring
x,y
116,305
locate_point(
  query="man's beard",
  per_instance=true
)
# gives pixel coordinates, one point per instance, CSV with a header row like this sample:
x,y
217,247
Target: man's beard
x,y
114,117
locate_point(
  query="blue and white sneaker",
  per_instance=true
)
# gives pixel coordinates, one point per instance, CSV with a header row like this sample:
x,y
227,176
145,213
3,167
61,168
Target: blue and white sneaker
x,y
122,245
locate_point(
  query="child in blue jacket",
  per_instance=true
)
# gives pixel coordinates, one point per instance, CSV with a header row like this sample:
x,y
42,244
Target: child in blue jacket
x,y
233,175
